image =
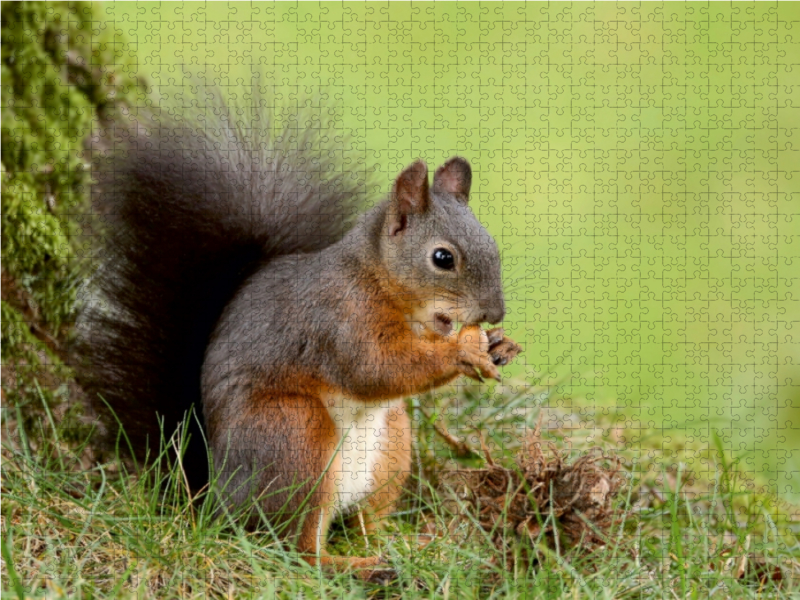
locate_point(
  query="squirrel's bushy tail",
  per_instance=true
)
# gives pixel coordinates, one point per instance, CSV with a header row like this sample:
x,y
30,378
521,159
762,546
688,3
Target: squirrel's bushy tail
x,y
188,212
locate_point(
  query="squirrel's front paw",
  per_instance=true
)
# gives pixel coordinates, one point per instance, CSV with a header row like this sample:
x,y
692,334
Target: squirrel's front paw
x,y
474,360
502,349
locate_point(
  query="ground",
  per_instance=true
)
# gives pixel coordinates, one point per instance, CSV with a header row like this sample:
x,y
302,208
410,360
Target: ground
x,y
76,523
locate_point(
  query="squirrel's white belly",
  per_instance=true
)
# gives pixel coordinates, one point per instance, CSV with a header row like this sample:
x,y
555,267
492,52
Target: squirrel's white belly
x,y
361,441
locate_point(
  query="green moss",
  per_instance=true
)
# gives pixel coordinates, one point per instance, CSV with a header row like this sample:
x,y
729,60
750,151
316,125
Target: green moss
x,y
63,74
17,337
60,71
36,250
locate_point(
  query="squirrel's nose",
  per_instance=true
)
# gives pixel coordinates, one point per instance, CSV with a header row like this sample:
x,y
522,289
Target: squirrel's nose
x,y
495,312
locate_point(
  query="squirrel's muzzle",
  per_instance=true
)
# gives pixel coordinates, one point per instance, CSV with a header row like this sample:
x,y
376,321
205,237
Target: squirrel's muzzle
x,y
493,312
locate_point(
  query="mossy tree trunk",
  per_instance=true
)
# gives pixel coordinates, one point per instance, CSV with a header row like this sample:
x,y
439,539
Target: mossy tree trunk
x,y
63,73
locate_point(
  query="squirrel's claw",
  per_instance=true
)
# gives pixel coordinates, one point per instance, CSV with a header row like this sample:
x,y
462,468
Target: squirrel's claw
x,y
502,349
477,360
495,336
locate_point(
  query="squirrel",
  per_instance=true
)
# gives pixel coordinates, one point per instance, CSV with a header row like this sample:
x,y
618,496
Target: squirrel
x,y
242,278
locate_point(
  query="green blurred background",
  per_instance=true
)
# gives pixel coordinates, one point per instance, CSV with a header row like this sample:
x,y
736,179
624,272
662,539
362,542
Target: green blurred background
x,y
637,163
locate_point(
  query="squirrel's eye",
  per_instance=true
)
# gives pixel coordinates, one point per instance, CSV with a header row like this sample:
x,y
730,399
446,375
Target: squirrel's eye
x,y
443,259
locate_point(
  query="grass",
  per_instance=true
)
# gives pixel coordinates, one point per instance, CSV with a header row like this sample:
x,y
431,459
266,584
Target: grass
x,y
78,525
74,529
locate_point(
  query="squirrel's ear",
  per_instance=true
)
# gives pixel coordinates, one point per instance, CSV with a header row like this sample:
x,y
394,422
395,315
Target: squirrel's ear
x,y
453,177
409,195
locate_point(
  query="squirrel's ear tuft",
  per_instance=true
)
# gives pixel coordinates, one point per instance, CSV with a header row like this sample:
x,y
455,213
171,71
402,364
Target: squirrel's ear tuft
x,y
409,195
453,177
